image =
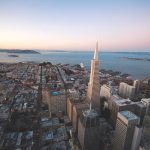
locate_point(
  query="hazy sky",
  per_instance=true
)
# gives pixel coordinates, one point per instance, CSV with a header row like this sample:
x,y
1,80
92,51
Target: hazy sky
x,y
75,24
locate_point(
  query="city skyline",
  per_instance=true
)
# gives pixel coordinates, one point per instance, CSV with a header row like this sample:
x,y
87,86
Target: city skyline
x,y
46,105
75,25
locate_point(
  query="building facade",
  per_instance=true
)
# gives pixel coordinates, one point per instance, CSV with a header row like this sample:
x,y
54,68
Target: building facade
x,y
126,91
88,130
124,132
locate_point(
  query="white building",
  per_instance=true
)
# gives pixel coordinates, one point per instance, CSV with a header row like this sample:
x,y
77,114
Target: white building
x,y
107,91
136,84
126,91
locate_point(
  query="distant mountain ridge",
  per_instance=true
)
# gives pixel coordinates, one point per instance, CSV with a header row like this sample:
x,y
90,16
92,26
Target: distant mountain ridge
x,y
18,51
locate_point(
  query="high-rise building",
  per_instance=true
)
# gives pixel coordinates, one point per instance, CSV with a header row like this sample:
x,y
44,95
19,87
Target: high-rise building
x,y
70,103
56,103
125,131
126,91
120,105
77,111
140,110
93,93
136,84
137,138
88,127
107,91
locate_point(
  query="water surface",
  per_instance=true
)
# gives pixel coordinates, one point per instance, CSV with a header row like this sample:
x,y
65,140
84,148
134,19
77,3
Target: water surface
x,y
108,60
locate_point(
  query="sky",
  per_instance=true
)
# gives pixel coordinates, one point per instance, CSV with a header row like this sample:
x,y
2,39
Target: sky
x,y
118,25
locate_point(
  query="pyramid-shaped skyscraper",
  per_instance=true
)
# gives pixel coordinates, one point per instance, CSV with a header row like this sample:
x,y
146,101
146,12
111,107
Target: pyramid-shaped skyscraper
x,y
93,93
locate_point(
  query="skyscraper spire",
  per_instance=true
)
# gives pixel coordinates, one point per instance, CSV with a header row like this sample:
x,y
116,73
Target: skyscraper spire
x,y
96,51
93,93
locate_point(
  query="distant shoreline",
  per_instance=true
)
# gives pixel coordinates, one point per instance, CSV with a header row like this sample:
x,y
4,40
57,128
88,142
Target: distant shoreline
x,y
18,51
139,59
40,50
13,56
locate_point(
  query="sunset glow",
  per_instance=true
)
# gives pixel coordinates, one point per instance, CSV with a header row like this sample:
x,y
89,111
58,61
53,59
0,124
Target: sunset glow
x,y
75,25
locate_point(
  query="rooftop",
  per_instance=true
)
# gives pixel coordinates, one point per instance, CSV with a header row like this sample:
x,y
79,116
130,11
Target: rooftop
x,y
90,113
129,115
122,102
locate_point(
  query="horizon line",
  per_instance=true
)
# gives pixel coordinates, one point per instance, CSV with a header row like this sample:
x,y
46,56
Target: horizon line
x,y
77,50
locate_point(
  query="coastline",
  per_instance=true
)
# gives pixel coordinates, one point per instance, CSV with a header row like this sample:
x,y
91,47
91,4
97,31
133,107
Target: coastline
x,y
139,59
18,51
109,61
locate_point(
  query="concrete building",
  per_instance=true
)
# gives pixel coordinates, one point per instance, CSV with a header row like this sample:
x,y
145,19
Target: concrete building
x,y
105,91
58,104
136,84
136,138
126,91
111,101
70,103
78,108
140,110
125,131
93,93
120,105
88,127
